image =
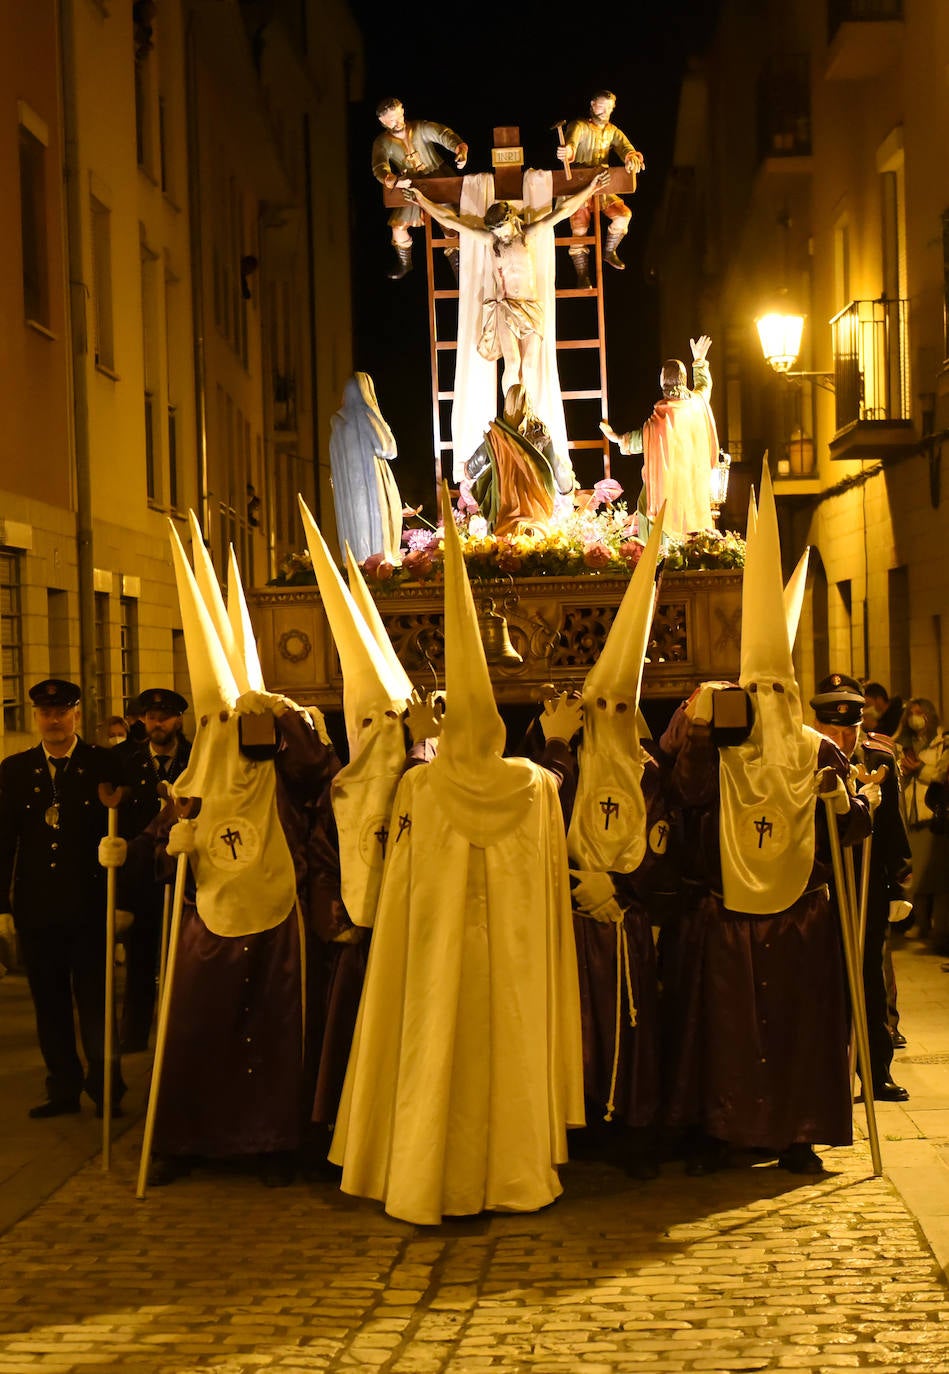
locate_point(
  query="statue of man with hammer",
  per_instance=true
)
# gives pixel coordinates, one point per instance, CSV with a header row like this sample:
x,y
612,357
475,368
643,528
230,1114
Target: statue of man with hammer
x,y
588,143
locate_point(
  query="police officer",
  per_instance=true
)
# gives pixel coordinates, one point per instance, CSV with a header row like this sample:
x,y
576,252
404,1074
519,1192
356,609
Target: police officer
x,y
51,872
160,757
838,707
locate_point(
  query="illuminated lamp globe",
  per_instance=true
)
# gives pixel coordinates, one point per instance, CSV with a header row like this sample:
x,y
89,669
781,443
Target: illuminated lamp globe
x,y
780,334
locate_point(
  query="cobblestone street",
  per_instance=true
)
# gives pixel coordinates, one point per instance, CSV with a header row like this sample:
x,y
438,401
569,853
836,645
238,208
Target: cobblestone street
x,y
750,1269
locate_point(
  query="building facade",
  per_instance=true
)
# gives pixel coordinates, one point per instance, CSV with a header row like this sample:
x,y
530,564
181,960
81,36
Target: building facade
x,y
174,255
809,173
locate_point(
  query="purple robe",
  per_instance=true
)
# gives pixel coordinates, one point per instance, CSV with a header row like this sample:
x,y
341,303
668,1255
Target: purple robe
x,y
761,1001
232,1081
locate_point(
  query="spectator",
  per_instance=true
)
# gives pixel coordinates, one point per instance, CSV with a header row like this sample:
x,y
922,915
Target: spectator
x,y
921,748
881,713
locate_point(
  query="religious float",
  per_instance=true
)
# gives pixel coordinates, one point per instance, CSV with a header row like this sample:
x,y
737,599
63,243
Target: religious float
x,y
548,579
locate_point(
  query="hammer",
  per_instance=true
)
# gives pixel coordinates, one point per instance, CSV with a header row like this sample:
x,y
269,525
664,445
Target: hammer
x,y
559,128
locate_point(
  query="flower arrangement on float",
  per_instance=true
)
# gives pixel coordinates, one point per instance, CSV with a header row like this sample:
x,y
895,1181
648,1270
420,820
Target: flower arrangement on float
x,y
593,538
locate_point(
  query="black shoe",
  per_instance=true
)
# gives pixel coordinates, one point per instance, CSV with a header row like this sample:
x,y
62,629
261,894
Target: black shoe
x,y
899,1039
889,1092
610,255
800,1159
65,1106
164,1169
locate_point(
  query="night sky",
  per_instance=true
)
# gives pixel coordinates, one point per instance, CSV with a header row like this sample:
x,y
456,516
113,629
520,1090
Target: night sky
x,y
515,72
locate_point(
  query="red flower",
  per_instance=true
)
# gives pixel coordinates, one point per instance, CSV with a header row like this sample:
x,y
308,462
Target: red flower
x,y
597,556
631,551
418,564
378,568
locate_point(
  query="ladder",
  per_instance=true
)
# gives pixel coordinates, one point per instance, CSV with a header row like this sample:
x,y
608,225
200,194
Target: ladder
x,y
443,340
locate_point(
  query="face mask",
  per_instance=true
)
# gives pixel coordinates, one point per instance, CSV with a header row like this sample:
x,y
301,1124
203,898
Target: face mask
x,y
916,722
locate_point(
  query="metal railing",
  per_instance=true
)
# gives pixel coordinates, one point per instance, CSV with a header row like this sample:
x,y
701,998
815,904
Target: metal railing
x,y
859,12
871,376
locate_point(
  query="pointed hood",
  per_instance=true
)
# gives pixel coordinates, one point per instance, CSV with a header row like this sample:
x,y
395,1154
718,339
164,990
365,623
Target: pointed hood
x,y
794,596
766,784
363,598
213,685
210,589
752,515
375,690
245,644
765,652
370,687
608,825
619,668
484,795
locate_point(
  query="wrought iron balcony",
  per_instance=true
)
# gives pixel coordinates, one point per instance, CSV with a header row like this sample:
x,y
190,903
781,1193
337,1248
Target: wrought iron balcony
x,y
871,379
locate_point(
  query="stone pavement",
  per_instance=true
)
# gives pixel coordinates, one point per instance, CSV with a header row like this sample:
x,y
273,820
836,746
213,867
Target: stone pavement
x,y
750,1269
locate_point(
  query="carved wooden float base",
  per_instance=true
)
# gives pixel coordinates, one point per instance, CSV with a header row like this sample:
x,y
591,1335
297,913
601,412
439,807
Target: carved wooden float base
x,y
557,624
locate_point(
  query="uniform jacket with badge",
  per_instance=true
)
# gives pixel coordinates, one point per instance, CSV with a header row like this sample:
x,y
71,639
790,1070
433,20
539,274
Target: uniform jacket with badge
x,y
53,872
139,774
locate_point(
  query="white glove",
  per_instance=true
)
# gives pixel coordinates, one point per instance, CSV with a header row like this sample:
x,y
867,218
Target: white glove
x,y
259,703
561,717
594,895
699,709
7,928
870,791
182,838
899,910
838,796
423,715
112,851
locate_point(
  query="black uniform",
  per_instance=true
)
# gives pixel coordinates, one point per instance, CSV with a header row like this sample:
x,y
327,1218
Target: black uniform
x,y
889,867
141,892
49,838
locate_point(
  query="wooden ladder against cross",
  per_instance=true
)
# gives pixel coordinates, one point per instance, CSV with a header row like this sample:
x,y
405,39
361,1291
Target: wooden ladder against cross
x,y
507,159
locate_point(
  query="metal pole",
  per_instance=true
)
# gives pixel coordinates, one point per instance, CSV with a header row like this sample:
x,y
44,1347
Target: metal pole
x,y
161,1035
108,1037
854,971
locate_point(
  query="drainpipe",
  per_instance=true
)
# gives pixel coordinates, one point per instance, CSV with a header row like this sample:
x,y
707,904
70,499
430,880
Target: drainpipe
x,y
78,336
197,270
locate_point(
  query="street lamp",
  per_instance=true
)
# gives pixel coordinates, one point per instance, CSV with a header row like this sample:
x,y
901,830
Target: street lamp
x,y
780,332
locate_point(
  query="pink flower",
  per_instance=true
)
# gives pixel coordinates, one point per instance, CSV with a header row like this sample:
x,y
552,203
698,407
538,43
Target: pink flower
x,y
631,551
466,502
606,491
597,555
417,540
378,568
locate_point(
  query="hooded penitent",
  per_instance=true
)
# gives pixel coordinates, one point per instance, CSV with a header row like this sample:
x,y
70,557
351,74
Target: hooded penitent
x,y
608,826
375,691
466,1061
243,871
767,783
